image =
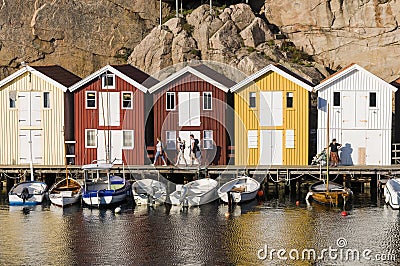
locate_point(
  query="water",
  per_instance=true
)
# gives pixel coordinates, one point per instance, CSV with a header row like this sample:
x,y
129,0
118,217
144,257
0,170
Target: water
x,y
48,235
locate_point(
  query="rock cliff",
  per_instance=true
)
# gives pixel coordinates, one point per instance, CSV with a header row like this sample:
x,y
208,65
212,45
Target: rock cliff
x,y
338,32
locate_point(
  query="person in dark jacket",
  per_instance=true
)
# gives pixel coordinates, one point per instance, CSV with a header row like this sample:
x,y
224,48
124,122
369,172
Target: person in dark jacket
x,y
334,154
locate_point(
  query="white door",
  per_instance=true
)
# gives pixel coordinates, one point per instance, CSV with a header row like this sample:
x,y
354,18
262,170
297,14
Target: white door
x,y
36,108
270,147
116,146
109,109
30,142
374,147
185,135
271,108
184,108
348,104
24,146
24,107
361,111
189,108
110,141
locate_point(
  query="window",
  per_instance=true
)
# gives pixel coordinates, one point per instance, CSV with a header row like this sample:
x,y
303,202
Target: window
x,y
171,140
46,99
90,138
372,99
289,99
252,139
170,101
12,99
127,139
208,141
108,81
252,99
290,139
207,101
336,98
127,100
91,100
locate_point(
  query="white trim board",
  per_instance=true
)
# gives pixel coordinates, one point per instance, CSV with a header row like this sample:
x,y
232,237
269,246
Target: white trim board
x,y
111,69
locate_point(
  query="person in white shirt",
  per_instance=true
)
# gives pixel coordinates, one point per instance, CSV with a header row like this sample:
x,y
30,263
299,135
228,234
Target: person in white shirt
x,y
159,152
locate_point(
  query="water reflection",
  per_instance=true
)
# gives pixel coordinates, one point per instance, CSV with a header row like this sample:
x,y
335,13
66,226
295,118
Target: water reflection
x,y
156,235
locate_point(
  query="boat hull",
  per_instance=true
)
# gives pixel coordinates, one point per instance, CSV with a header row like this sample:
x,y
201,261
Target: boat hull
x,y
149,191
336,194
65,193
391,193
36,193
195,193
104,197
250,189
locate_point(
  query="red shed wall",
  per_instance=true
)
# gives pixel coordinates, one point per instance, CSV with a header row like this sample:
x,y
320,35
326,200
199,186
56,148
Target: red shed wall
x,y
210,120
131,119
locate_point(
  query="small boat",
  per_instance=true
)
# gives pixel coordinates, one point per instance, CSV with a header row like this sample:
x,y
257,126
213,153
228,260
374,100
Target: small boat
x,y
195,193
392,193
66,192
149,191
333,194
101,188
241,189
27,193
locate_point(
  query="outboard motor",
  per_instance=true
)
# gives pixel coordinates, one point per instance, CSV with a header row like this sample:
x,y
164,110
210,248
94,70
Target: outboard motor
x,y
24,194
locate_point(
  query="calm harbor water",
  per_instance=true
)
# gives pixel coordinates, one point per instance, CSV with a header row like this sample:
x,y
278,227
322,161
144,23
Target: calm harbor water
x,y
165,235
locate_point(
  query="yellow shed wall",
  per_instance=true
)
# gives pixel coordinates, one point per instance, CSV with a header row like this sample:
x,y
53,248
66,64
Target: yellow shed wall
x,y
296,118
52,121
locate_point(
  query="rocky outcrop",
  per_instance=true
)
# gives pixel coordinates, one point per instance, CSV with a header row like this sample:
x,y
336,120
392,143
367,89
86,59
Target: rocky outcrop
x,y
338,32
233,36
79,35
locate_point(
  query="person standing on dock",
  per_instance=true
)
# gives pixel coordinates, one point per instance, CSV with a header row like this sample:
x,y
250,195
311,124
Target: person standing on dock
x,y
180,146
194,148
159,152
334,155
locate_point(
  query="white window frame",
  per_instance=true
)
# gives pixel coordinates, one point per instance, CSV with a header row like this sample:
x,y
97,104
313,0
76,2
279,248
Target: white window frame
x,y
49,102
133,139
204,102
255,99
205,147
376,100
86,137
167,140
166,100
103,81
122,99
289,139
287,97
95,99
340,99
14,100
252,139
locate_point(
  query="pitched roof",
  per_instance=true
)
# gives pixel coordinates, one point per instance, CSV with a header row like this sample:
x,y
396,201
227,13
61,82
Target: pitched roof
x,y
56,75
281,70
348,69
129,73
59,74
202,71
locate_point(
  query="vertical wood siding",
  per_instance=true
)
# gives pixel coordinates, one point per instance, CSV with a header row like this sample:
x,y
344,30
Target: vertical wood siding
x,y
296,118
131,119
379,119
210,120
52,121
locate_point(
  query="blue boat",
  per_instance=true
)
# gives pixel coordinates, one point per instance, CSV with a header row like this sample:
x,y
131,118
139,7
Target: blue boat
x,y
101,188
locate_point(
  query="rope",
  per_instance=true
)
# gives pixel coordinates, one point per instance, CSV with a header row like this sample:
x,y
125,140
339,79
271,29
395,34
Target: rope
x,y
15,177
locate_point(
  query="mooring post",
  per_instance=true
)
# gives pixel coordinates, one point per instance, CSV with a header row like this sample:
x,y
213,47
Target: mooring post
x,y
374,188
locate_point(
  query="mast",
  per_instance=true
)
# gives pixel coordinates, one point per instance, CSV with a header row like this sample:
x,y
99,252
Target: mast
x,y
327,151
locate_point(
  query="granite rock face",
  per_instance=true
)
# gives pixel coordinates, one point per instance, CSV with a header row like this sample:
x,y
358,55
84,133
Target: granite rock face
x,y
339,32
80,35
234,36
